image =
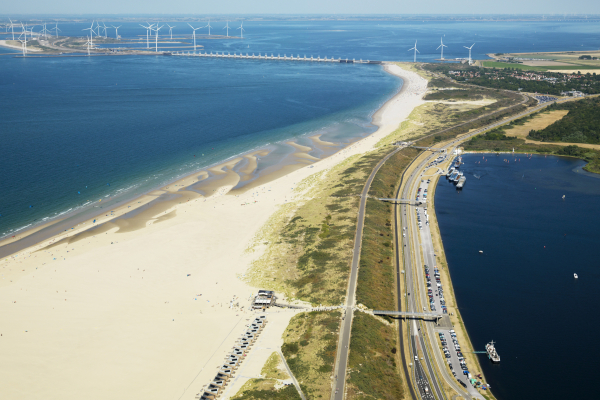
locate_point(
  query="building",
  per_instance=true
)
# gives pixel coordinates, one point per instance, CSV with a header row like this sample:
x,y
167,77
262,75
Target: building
x,y
264,299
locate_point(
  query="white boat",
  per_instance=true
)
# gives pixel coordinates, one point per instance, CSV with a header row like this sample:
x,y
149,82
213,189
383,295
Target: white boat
x,y
575,275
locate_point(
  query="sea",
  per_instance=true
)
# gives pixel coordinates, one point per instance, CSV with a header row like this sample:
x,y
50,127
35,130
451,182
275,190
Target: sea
x,y
521,291
76,130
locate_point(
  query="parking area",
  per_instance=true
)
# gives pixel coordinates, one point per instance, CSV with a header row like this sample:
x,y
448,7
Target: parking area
x,y
545,99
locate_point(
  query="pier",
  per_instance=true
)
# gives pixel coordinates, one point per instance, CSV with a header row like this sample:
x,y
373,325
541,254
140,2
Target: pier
x,y
272,57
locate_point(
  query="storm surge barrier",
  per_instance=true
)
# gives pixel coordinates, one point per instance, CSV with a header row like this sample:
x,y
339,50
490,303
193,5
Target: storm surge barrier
x,y
272,57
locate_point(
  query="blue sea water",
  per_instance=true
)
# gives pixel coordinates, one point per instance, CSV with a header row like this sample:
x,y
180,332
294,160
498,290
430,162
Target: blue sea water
x,y
375,40
76,130
70,127
521,291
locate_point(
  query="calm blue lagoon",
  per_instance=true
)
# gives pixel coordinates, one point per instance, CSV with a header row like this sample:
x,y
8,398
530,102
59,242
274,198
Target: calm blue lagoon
x,y
521,291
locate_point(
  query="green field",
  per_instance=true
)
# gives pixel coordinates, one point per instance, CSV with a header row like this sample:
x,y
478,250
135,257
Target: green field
x,y
496,64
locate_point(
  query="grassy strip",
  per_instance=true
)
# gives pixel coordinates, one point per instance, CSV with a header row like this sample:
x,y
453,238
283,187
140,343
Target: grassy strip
x,y
267,388
373,373
574,67
496,64
376,270
264,389
453,132
310,343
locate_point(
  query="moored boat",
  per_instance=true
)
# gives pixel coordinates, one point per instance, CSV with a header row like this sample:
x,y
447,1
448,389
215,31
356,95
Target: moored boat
x,y
492,353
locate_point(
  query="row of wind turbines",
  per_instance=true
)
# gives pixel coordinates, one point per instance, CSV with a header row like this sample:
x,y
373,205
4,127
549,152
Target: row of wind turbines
x,y
441,46
150,29
241,28
156,28
28,29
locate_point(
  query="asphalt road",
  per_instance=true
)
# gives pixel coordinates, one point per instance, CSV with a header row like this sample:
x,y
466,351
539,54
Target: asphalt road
x,y
414,267
338,387
339,380
409,234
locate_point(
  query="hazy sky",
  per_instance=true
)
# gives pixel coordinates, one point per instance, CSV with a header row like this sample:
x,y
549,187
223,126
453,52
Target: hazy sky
x,y
300,7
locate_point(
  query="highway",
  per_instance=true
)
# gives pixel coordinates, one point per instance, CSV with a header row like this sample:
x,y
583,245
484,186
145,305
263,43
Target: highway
x,y
423,373
413,244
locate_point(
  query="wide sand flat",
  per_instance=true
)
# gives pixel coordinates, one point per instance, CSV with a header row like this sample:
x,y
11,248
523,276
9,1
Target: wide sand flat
x,y
144,313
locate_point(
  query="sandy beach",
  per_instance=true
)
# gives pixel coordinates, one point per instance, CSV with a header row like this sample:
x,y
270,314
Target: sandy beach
x,y
4,43
139,306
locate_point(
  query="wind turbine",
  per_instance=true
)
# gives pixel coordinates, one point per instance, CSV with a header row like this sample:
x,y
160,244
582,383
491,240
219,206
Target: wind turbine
x,y
241,28
24,41
148,28
156,40
194,34
88,43
416,51
208,26
23,32
105,30
55,29
12,28
116,31
99,28
44,31
171,30
91,29
469,51
227,27
442,46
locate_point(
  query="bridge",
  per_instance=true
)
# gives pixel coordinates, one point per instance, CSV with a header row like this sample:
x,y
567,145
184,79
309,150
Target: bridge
x,y
429,149
401,201
277,57
406,314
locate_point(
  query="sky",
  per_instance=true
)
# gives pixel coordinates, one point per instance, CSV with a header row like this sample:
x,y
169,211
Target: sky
x,y
238,7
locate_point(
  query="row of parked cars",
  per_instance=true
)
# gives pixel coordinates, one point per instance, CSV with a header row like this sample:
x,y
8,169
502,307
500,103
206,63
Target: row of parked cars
x,y
461,359
438,160
545,99
439,291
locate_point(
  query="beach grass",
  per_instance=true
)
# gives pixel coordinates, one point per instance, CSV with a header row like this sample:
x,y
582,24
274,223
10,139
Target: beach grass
x,y
273,368
265,389
309,243
373,363
310,344
270,386
448,108
376,270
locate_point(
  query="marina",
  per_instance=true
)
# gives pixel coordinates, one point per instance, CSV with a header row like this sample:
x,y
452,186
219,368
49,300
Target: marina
x,y
493,286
